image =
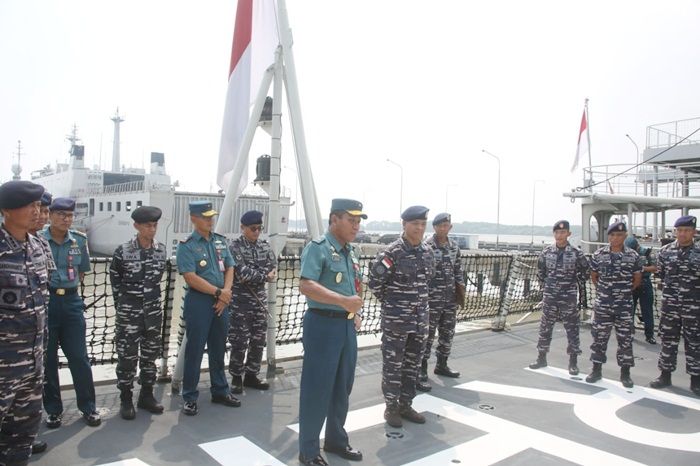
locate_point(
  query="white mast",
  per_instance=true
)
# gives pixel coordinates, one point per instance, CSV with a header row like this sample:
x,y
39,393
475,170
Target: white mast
x,y
116,164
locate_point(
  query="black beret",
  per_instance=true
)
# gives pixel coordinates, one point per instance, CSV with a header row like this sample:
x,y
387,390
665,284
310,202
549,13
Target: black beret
x,y
146,213
62,203
350,206
442,218
252,217
561,225
46,199
19,193
415,212
686,221
617,227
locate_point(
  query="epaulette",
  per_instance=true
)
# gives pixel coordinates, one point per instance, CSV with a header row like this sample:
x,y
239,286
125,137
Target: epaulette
x,y
78,232
320,240
218,235
186,239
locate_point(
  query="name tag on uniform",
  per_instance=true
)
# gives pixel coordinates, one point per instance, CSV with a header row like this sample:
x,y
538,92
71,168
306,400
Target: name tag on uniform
x,y
221,265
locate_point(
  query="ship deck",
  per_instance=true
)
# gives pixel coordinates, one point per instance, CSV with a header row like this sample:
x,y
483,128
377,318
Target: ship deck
x,y
498,412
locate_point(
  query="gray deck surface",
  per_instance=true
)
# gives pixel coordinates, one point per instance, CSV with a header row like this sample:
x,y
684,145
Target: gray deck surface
x,y
484,356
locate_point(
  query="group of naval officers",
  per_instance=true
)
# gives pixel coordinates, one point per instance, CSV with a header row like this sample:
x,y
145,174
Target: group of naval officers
x,y
420,285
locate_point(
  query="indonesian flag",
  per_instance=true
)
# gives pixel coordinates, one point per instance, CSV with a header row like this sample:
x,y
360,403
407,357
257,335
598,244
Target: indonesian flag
x,y
582,147
255,38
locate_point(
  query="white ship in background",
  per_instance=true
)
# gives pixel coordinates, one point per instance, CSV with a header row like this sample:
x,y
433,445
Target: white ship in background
x,y
105,199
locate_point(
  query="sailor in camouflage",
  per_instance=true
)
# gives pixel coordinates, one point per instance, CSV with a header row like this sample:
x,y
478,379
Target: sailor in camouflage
x,y
678,266
399,278
135,273
443,299
24,277
615,270
560,269
255,266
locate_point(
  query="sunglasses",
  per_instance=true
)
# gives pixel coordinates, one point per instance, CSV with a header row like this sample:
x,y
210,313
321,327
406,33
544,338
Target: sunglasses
x,y
256,228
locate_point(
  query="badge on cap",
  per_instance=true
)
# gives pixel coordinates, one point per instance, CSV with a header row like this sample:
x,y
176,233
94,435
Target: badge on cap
x,y
202,263
561,225
339,277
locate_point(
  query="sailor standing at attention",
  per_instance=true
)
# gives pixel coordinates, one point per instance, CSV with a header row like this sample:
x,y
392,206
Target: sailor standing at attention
x,y
66,315
135,273
331,282
205,263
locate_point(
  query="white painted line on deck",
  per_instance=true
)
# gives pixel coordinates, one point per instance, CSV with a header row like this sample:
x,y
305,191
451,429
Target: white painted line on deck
x,y
356,420
129,462
237,451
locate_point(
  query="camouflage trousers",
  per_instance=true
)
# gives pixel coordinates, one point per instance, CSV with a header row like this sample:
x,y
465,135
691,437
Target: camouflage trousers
x,y
673,322
604,319
442,320
567,312
20,409
138,329
247,334
401,356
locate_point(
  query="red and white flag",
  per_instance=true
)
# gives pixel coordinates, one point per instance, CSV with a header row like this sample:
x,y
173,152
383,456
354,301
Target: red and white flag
x,y
582,147
255,38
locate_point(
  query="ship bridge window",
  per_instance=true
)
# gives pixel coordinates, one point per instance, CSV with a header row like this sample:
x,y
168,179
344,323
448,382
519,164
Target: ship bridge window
x,y
119,206
109,206
139,203
128,206
102,206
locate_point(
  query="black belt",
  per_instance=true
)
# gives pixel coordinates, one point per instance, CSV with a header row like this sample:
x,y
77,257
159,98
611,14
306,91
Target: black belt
x,y
333,314
63,291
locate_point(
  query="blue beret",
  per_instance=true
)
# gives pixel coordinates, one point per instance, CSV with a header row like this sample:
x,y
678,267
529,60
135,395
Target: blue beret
x,y
146,213
631,242
442,218
350,206
46,199
18,193
561,225
415,212
686,221
252,217
202,209
617,227
62,203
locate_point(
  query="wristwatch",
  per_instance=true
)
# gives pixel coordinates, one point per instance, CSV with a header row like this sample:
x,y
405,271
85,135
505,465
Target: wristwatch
x,y
217,293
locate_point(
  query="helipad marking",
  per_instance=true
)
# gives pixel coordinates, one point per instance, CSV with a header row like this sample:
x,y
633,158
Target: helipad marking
x,y
236,451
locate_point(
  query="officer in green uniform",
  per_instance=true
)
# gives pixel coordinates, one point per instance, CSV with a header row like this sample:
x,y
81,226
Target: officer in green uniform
x,y
206,264
331,282
66,315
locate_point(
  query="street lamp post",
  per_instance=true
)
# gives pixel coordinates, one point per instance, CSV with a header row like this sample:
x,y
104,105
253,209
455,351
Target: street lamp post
x,y
532,230
400,186
636,147
498,202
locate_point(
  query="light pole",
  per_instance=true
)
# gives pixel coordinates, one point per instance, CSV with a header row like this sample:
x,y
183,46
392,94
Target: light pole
x,y
447,190
498,203
636,147
400,186
532,230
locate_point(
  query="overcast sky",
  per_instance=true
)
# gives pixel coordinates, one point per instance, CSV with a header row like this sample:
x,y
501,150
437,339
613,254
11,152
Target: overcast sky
x,y
426,84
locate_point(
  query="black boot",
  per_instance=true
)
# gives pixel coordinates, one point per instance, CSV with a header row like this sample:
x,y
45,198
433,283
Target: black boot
x,y
573,368
236,384
392,416
625,377
596,374
147,401
252,381
695,384
126,407
441,368
541,360
663,381
424,370
423,386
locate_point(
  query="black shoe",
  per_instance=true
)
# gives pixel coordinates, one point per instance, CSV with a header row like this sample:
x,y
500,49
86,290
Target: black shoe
x,y
226,400
651,340
148,402
625,377
662,381
39,446
423,371
441,368
596,374
252,381
573,367
315,461
53,421
347,452
392,416
237,384
190,408
695,384
410,414
92,419
126,408
541,361
423,386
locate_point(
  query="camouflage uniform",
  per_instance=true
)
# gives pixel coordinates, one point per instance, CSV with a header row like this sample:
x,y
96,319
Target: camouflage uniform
x,y
248,304
560,271
442,297
399,278
613,302
679,268
135,275
24,277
